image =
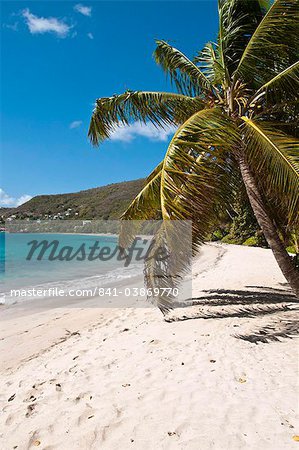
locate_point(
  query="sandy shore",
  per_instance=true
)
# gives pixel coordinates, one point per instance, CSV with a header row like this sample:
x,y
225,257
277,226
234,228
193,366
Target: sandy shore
x,y
124,378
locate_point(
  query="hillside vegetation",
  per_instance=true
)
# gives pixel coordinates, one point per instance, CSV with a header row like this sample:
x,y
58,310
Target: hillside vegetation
x,y
107,202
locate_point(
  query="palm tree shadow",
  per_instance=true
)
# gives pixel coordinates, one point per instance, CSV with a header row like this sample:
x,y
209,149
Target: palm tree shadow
x,y
276,307
280,328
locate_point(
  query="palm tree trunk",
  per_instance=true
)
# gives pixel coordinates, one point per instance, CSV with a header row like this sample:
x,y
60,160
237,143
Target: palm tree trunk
x,y
282,257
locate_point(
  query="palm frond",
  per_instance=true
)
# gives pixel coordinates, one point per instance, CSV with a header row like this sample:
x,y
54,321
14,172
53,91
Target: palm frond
x,y
238,21
273,47
274,157
284,87
186,76
210,63
200,148
284,116
160,108
145,206
147,202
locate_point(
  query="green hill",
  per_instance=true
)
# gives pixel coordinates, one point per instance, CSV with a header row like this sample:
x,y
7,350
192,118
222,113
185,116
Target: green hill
x,y
107,202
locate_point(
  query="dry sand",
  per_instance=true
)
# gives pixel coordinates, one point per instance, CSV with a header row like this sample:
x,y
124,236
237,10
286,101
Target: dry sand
x,y
124,378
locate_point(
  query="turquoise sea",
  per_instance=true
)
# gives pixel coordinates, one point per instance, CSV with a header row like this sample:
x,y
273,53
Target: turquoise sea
x,y
17,272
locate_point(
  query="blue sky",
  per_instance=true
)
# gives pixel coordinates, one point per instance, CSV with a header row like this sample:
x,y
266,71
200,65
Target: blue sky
x,y
57,58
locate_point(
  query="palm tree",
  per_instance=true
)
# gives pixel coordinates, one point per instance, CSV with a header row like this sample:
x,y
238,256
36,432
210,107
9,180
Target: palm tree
x,y
237,116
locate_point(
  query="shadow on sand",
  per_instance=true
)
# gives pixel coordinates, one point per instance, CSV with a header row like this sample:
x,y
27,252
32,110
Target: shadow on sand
x,y
275,311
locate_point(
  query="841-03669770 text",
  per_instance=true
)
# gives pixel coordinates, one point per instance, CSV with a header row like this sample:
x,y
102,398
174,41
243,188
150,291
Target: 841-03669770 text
x,y
136,292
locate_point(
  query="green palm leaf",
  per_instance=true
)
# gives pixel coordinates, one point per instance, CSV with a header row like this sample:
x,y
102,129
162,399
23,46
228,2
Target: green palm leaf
x,y
147,202
238,21
283,87
199,149
145,206
210,63
186,76
285,117
159,108
274,157
274,45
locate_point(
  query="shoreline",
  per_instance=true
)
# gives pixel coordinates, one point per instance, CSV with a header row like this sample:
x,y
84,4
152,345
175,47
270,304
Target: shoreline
x,y
53,302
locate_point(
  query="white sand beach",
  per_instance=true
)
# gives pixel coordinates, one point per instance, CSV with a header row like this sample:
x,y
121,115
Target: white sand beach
x,y
124,378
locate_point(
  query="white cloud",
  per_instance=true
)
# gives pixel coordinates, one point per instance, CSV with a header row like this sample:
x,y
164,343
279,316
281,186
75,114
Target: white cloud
x,y
7,201
23,199
85,10
90,35
75,124
40,25
149,131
